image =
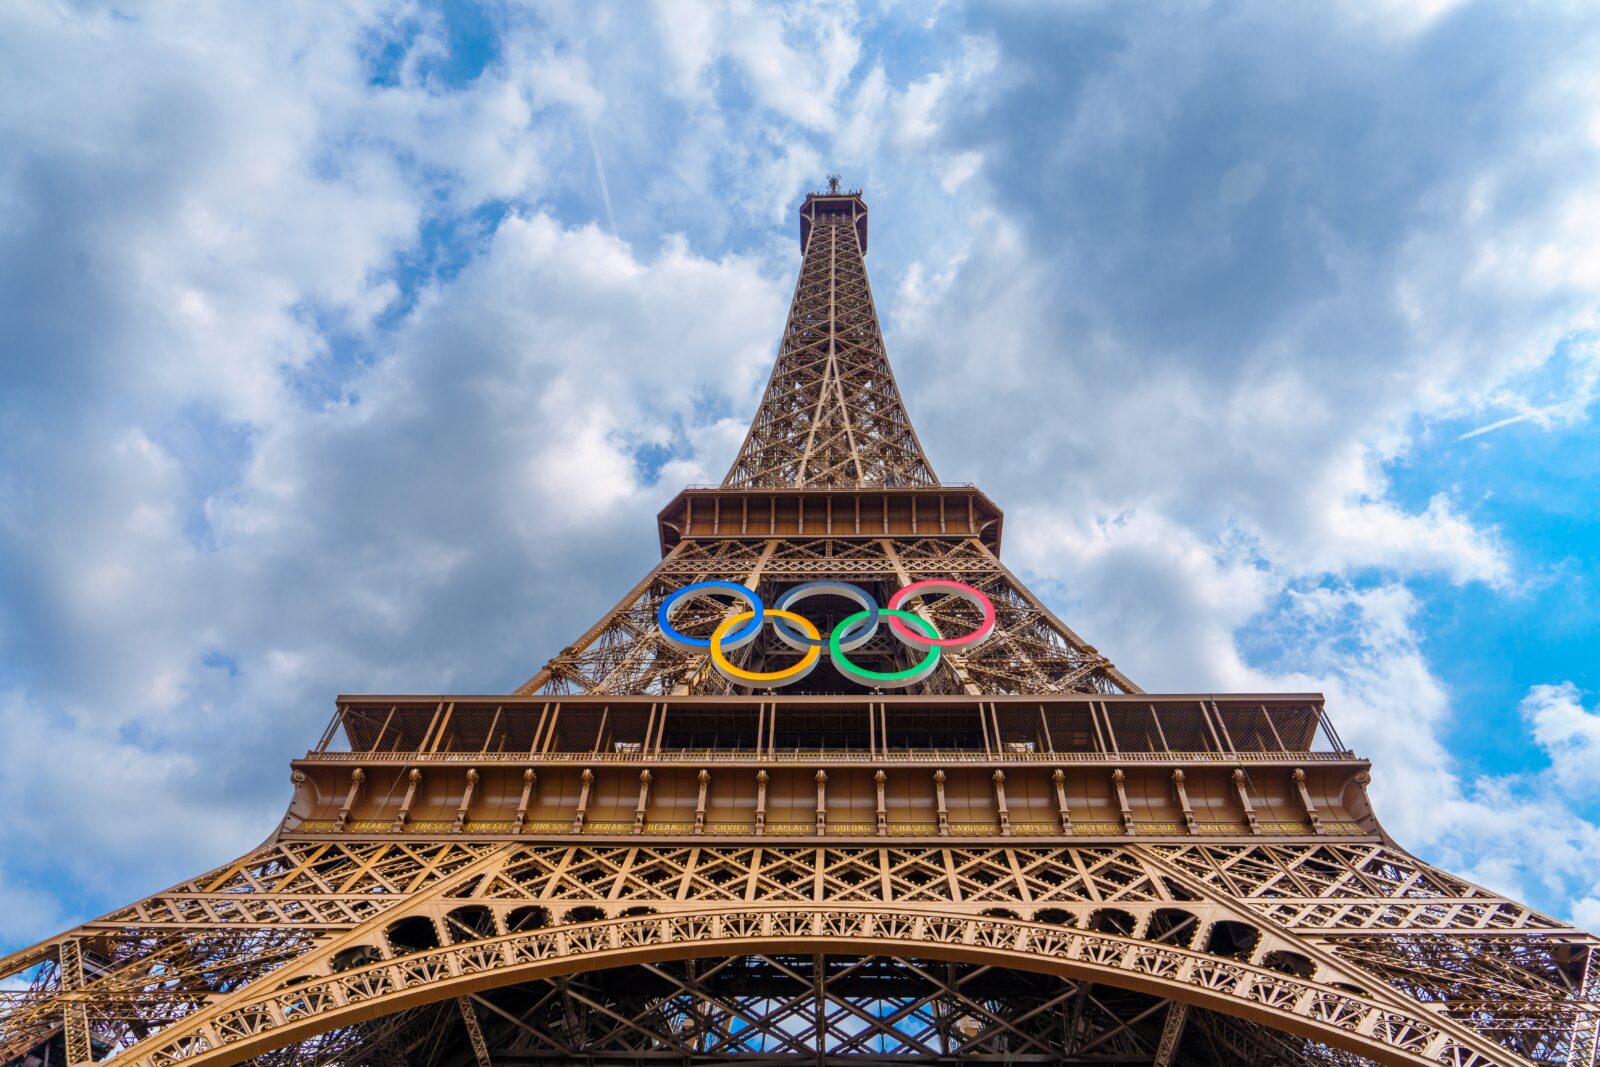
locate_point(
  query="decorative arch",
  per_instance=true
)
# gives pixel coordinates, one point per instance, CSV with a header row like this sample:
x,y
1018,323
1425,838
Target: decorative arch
x,y
312,997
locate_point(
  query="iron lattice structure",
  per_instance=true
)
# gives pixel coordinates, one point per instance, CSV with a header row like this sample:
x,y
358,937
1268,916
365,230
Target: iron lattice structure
x,y
832,415
631,860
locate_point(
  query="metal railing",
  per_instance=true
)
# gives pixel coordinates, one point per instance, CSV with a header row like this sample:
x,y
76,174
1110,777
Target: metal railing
x,y
941,756
700,488
958,730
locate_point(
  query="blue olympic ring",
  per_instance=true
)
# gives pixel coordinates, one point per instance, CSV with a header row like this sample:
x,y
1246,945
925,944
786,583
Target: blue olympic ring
x,y
743,637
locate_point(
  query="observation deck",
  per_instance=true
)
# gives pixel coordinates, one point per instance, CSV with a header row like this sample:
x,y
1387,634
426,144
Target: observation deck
x,y
949,510
1075,766
848,204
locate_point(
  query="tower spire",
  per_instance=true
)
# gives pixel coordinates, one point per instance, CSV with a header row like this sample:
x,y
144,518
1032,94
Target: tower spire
x,y
832,416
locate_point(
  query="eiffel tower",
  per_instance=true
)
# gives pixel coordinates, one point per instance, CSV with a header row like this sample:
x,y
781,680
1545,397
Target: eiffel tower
x,y
693,837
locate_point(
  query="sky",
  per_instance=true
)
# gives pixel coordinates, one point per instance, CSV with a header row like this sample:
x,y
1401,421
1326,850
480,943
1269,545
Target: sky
x,y
352,347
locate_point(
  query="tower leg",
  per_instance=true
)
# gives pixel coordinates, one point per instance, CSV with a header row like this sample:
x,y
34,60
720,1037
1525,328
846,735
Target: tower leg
x,y
469,1016
75,1013
1171,1033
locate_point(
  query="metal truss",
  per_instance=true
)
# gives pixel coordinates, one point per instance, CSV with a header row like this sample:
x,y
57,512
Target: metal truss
x,y
155,961
847,1010
832,414
1032,651
1301,942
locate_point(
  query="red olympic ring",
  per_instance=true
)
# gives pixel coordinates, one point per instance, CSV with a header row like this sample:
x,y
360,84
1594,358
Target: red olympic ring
x,y
942,585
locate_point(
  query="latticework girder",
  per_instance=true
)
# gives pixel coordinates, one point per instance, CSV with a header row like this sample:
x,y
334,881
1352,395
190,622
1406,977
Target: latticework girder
x,y
1119,929
832,414
870,1010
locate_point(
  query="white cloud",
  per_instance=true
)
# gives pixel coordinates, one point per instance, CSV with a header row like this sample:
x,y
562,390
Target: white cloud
x,y
1568,732
27,914
133,814
1139,581
1296,469
1404,17
794,60
798,79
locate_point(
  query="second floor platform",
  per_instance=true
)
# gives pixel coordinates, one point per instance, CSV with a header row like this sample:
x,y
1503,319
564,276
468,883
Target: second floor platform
x,y
867,729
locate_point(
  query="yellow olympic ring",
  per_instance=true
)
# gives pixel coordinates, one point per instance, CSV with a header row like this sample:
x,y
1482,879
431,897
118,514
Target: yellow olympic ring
x,y
799,670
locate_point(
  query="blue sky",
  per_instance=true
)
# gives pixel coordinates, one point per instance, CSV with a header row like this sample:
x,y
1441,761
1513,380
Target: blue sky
x,y
352,347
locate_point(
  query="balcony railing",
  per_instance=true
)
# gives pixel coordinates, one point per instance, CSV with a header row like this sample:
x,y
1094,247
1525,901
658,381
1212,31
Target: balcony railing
x,y
700,757
843,729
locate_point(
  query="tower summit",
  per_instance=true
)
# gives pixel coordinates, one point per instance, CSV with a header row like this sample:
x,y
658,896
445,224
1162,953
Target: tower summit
x,y
829,785
832,415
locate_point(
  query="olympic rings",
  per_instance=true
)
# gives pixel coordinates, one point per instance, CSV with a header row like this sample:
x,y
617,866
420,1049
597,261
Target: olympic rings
x,y
802,635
